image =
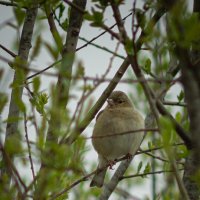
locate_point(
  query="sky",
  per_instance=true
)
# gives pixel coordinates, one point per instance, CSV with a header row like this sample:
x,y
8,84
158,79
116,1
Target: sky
x,y
94,60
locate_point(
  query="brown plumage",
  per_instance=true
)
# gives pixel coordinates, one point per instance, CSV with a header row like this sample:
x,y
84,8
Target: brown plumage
x,y
118,117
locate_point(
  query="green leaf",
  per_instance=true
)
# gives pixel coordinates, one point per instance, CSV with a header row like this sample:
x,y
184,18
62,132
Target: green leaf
x,y
43,98
80,70
13,144
147,66
147,168
39,101
36,84
65,24
18,99
61,10
19,15
139,167
167,130
181,95
96,18
150,145
89,17
182,152
129,47
140,16
3,101
178,117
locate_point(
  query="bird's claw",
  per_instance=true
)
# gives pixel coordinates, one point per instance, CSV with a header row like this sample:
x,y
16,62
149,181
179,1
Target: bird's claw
x,y
111,163
128,156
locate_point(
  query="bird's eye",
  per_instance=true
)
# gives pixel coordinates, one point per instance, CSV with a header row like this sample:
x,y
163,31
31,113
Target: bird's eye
x,y
120,101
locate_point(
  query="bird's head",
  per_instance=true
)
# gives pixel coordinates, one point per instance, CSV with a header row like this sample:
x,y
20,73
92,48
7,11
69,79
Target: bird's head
x,y
118,99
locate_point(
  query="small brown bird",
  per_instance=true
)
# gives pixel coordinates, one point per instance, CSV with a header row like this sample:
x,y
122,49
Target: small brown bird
x,y
118,117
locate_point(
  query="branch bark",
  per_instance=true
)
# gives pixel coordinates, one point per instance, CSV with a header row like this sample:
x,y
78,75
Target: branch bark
x,y
16,94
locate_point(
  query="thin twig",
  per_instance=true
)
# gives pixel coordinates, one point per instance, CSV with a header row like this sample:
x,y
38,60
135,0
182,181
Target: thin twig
x,y
113,34
148,173
173,103
102,48
8,51
45,69
156,148
98,36
124,133
28,145
161,159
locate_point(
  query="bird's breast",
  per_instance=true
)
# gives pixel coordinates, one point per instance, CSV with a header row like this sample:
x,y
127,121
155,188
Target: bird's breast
x,y
110,137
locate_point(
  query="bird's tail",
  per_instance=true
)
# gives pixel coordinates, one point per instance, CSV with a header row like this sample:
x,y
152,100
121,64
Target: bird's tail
x,y
98,178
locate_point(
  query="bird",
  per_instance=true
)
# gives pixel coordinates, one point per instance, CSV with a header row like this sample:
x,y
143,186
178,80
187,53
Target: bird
x,y
108,140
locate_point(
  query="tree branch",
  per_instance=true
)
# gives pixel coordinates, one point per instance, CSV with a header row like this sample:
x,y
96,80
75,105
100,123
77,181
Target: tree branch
x,y
148,173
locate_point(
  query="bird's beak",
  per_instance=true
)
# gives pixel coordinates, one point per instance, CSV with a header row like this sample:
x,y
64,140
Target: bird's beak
x,y
110,102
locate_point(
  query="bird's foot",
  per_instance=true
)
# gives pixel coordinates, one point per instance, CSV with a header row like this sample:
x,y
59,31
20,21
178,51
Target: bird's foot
x,y
111,163
128,156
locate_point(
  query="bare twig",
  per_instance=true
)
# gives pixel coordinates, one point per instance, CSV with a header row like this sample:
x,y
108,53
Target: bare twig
x,y
96,37
124,133
28,145
102,48
161,159
173,103
156,148
148,173
8,51
38,72
112,33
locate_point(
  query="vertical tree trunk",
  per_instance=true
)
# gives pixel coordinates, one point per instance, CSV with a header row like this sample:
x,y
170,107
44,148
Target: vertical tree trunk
x,y
16,94
191,83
